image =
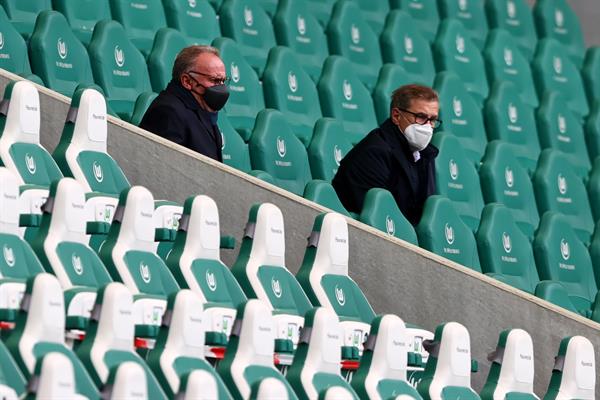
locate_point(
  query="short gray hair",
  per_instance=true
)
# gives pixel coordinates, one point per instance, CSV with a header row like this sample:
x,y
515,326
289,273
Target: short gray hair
x,y
186,57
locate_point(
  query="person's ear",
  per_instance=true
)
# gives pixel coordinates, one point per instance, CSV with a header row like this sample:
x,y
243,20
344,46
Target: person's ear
x,y
395,116
185,82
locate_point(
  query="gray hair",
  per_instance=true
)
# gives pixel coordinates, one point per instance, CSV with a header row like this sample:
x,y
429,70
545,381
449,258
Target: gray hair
x,y
187,56
403,96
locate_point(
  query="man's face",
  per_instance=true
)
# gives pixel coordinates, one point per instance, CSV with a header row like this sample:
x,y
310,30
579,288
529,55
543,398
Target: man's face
x,y
208,70
419,112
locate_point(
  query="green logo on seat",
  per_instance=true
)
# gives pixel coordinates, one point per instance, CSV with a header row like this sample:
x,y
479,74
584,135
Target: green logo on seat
x,y
339,296
276,287
565,252
389,225
145,272
77,265
98,174
30,163
211,281
62,48
9,256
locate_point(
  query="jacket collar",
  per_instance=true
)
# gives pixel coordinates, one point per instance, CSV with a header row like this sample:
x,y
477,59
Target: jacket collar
x,y
397,140
184,95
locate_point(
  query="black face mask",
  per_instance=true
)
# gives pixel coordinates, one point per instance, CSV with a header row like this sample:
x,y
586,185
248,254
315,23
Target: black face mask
x,y
214,96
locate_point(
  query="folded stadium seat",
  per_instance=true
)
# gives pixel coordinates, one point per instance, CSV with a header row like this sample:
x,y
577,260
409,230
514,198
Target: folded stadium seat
x,y
13,52
454,50
246,95
442,231
129,253
40,330
197,20
505,252
461,115
141,106
276,150
391,77
22,13
511,372
328,146
504,180
305,37
509,119
592,132
553,70
593,188
350,36
556,19
456,179
515,17
315,371
504,61
108,345
246,22
12,381
290,90
374,12
448,371
344,97
168,42
424,12
323,193
141,20
381,211
321,9
83,16
412,52
54,377
471,14
57,56
234,150
573,375
247,368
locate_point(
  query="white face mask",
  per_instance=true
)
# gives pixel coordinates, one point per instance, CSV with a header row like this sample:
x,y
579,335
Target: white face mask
x,y
418,136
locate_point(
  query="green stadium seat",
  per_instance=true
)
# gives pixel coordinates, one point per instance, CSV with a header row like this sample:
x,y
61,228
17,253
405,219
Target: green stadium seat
x,y
505,62
83,15
12,381
350,36
195,19
453,50
247,368
315,371
141,106
290,90
457,179
511,373
141,20
13,50
276,150
323,193
246,22
515,17
246,95
461,115
504,180
505,252
553,70
511,120
391,77
556,19
40,330
270,6
57,56
442,231
344,97
595,253
305,37
412,52
592,132
424,12
561,256
108,345
593,188
216,4
328,146
321,9
589,72
381,212
558,188
561,129
448,371
167,44
23,13
234,150
119,68
374,13
471,14
574,378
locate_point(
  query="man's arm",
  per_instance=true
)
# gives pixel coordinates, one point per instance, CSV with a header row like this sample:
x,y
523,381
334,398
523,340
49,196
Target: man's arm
x,y
164,120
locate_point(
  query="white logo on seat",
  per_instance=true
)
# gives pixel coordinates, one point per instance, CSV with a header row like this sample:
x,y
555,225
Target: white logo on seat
x,y
235,73
339,296
390,227
408,44
276,287
460,44
119,57
449,233
1,40
562,184
77,265
98,174
9,256
559,18
511,9
457,106
557,63
292,82
462,5
62,48
513,114
192,3
508,56
453,168
506,242
30,163
508,177
355,34
211,281
565,251
337,154
248,17
301,24
145,272
347,89
562,123
281,150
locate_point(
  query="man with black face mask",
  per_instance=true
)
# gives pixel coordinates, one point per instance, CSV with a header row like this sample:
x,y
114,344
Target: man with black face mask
x,y
186,111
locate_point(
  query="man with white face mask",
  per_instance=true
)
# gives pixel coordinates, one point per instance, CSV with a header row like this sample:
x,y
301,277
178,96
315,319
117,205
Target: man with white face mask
x,y
397,156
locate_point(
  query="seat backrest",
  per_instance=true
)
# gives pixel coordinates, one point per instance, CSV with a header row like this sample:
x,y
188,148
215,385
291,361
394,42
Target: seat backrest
x,y
329,144
516,18
471,14
573,375
593,188
57,56
167,44
461,115
504,180
246,95
22,13
350,36
592,132
276,150
391,77
457,179
290,90
140,20
442,231
55,377
12,381
344,97
512,368
321,9
83,15
246,22
323,193
589,74
235,150
558,188
13,49
425,12
454,50
412,51
374,12
195,19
